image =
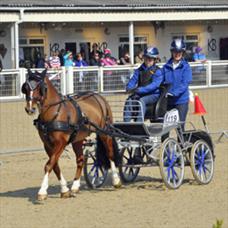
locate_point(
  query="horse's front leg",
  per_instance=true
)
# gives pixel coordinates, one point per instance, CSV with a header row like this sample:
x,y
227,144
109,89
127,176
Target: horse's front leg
x,y
59,175
55,153
77,147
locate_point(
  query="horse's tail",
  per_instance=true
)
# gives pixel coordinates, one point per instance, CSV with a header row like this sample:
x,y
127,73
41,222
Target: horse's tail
x,y
102,155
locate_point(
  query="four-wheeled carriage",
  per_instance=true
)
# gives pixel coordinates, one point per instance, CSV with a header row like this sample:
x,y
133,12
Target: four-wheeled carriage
x,y
142,144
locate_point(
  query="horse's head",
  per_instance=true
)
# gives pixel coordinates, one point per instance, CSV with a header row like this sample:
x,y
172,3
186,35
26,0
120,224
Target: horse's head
x,y
34,90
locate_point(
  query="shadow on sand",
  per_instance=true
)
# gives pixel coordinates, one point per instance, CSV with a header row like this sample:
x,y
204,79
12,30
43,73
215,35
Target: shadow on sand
x,y
141,183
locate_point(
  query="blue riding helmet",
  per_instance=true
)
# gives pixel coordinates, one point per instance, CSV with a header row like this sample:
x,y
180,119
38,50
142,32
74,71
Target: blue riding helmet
x,y
178,45
151,52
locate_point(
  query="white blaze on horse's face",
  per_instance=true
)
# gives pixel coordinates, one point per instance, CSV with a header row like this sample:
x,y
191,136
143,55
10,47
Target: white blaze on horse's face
x,y
30,107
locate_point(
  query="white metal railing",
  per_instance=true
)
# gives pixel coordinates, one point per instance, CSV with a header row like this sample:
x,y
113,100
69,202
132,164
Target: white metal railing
x,y
105,79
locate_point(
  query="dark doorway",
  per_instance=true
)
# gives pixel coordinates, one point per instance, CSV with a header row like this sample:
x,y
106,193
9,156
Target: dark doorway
x,y
71,46
85,50
223,46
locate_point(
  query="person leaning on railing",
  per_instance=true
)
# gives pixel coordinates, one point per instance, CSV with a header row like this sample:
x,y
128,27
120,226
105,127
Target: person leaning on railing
x,y
145,82
177,72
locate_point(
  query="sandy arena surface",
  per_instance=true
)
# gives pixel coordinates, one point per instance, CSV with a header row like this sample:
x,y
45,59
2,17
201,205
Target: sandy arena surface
x,y
144,203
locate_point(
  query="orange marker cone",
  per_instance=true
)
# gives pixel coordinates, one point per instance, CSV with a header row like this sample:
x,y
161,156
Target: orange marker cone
x,y
199,109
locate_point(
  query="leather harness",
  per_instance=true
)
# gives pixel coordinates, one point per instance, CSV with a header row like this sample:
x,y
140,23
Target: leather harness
x,y
53,125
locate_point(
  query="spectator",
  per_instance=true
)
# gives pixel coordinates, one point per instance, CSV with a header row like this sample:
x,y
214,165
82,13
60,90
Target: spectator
x,y
68,59
79,61
54,60
108,60
199,57
95,49
178,74
61,54
125,60
40,63
145,82
95,60
46,62
139,57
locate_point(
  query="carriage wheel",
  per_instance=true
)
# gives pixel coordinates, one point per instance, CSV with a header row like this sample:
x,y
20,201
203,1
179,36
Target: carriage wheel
x,y
171,163
95,174
202,162
127,171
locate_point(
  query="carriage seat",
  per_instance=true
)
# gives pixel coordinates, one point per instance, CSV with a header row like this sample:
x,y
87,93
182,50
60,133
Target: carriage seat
x,y
156,112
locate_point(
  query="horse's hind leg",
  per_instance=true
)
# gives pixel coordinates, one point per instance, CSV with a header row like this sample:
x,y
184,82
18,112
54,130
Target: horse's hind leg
x,y
77,147
108,143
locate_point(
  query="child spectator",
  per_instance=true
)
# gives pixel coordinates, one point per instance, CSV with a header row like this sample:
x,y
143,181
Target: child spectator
x,y
68,59
79,61
55,61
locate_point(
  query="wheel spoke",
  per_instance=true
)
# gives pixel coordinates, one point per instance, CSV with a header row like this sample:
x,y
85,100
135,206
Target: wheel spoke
x,y
91,170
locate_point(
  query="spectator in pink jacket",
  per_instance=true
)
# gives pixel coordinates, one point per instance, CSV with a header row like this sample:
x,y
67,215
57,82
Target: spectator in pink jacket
x,y
108,60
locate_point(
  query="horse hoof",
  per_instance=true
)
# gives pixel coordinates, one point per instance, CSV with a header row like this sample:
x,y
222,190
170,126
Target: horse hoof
x,y
65,195
41,197
118,185
74,192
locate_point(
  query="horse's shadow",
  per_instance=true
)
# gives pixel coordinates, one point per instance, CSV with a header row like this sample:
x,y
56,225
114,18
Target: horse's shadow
x,y
30,193
141,183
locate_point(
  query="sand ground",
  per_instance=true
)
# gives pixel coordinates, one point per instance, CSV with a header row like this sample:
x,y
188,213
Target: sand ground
x,y
144,203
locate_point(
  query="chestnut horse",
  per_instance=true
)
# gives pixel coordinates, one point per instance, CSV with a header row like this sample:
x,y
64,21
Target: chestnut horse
x,y
64,120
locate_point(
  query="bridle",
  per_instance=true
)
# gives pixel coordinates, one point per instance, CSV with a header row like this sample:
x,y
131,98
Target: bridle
x,y
33,81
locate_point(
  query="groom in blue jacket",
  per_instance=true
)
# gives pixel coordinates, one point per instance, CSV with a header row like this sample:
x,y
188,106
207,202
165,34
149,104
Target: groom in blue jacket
x,y
177,72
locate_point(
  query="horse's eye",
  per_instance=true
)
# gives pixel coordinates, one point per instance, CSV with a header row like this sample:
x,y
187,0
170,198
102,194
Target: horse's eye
x,y
24,88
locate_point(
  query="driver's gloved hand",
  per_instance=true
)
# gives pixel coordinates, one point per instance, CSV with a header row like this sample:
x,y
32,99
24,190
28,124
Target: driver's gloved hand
x,y
135,96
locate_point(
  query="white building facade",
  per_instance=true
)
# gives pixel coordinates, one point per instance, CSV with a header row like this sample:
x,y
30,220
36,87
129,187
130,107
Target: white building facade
x,y
31,27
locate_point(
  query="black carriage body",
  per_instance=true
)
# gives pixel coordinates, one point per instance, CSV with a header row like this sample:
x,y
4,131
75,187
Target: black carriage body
x,y
194,135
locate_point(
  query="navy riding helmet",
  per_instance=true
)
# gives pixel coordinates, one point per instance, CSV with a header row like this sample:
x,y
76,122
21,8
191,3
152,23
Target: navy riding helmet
x,y
178,45
151,52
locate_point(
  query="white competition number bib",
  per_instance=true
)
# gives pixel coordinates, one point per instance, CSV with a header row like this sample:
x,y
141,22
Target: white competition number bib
x,y
171,117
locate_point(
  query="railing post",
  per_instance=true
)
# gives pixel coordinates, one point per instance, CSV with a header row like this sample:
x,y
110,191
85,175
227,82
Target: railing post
x,y
100,80
69,80
22,79
209,73
63,81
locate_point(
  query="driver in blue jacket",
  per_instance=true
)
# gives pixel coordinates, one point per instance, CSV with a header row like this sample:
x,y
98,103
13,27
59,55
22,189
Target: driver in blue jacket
x,y
145,82
178,73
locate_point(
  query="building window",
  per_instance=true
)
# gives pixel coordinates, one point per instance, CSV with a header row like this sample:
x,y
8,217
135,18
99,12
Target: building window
x,y
140,43
191,40
30,50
